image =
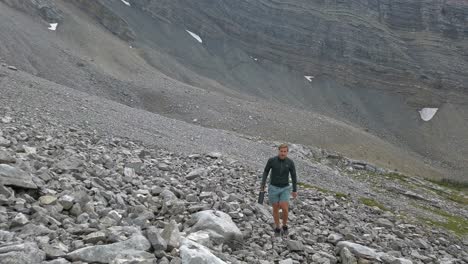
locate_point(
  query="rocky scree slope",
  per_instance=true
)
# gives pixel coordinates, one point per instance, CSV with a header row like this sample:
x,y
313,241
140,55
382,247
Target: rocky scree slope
x,y
70,194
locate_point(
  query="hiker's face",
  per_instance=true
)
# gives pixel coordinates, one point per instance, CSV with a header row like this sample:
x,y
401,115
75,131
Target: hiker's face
x,y
283,153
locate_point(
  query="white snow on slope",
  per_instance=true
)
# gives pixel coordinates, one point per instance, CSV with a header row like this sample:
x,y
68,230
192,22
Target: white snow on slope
x,y
309,78
53,26
125,2
428,113
195,36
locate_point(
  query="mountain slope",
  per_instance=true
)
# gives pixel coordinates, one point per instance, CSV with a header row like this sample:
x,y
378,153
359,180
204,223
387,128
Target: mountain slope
x,y
249,84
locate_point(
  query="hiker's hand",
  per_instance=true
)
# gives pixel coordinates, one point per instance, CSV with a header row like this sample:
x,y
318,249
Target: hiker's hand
x,y
294,195
262,189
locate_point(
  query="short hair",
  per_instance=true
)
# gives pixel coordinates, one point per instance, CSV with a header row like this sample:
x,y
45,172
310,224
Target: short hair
x,y
283,146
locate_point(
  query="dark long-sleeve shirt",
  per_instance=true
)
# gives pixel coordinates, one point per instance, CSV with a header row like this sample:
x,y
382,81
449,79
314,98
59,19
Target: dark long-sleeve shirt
x,y
280,170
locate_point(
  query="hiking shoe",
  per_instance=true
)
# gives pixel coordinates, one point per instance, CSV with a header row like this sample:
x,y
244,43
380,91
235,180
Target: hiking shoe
x,y
277,231
285,230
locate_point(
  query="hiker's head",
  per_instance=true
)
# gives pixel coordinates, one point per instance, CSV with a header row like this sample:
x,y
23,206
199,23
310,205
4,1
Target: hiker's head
x,y
283,150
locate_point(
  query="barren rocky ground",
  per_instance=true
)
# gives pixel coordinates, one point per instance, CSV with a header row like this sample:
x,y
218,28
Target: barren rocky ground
x,y
82,183
125,138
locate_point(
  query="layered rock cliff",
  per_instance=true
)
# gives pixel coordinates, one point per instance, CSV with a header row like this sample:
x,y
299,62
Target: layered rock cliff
x,y
382,44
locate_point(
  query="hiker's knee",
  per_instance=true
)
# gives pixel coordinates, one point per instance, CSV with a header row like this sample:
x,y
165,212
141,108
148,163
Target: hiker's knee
x,y
284,205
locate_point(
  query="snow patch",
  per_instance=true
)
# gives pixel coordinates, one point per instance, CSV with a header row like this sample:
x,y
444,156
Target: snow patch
x,y
125,2
53,26
195,36
309,78
428,113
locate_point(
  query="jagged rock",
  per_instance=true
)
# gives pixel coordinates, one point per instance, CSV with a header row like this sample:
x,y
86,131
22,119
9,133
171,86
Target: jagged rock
x,y
6,236
295,245
323,257
95,237
196,173
286,261
47,199
334,238
20,220
12,176
421,243
55,250
4,142
107,253
57,261
217,222
204,238
13,68
5,158
347,257
27,253
69,164
134,257
171,235
164,167
66,201
358,250
388,259
384,223
194,253
154,236
168,196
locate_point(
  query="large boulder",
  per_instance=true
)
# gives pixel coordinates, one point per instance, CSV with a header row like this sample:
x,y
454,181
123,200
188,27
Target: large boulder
x,y
358,250
154,236
27,253
135,246
194,253
13,176
171,235
217,222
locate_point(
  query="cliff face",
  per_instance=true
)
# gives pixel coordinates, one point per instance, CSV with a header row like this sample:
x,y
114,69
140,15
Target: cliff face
x,y
366,43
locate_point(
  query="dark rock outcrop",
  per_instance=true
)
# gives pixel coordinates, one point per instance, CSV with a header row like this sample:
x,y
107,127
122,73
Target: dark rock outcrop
x,y
107,18
384,44
46,9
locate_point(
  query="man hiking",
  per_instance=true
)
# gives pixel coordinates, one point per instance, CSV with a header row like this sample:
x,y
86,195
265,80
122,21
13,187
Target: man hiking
x,y
279,189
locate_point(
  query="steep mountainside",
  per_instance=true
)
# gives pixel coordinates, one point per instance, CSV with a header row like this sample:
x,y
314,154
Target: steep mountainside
x,y
349,76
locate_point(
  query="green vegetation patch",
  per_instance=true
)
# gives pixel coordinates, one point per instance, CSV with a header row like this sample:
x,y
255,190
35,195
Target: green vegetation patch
x,y
454,223
458,192
373,203
454,185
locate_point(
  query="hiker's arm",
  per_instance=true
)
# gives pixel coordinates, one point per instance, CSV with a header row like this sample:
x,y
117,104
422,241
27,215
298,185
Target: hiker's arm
x,y
293,176
266,171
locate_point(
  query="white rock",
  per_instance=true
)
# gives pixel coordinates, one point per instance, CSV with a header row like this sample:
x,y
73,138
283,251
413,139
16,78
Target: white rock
x,y
217,222
359,250
20,220
107,253
194,253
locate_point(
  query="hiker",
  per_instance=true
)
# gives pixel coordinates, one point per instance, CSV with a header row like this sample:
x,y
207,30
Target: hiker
x,y
279,189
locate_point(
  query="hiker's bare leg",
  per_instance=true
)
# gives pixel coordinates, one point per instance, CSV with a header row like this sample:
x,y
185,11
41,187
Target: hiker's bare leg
x,y
284,207
276,207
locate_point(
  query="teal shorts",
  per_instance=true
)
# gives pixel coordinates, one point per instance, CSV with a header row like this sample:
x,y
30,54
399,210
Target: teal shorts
x,y
278,194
